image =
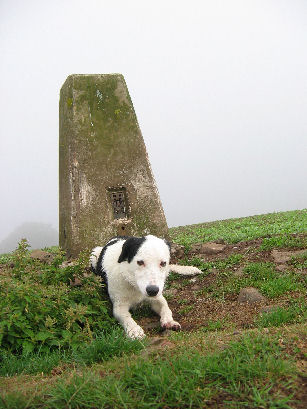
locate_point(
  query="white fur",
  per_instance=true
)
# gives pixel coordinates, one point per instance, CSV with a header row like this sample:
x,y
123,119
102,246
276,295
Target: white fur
x,y
127,282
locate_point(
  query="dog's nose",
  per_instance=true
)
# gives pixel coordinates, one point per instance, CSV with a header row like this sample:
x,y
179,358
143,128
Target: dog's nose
x,y
152,290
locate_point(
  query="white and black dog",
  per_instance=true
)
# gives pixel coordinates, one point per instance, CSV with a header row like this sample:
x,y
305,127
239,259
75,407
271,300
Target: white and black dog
x,y
134,269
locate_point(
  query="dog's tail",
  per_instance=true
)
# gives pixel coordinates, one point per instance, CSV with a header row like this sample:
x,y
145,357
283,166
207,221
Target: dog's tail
x,y
94,257
184,270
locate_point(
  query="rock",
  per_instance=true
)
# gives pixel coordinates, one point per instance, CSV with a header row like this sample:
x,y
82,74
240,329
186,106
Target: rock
x,y
239,272
68,264
282,268
250,295
208,248
282,257
76,282
212,248
42,256
177,252
195,248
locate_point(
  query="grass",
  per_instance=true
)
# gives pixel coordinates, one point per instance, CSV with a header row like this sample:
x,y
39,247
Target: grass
x,y
296,312
300,261
101,349
236,230
284,241
261,275
272,287
243,374
215,325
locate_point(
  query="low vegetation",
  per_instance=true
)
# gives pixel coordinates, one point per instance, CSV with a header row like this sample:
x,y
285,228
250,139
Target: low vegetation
x,y
60,348
41,307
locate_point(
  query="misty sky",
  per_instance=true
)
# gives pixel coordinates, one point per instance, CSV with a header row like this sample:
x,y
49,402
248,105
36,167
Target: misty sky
x,y
219,89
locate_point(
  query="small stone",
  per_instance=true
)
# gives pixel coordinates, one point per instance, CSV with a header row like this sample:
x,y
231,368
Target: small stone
x,y
42,256
281,268
195,248
250,295
212,248
76,282
68,264
239,272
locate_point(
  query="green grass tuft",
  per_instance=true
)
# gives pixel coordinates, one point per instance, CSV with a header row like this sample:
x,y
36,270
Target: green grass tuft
x,y
279,316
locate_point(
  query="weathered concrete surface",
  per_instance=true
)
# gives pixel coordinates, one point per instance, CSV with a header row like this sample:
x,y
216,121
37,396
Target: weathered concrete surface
x,y
102,151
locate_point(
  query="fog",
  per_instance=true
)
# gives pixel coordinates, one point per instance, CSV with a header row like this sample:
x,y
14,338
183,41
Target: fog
x,y
219,89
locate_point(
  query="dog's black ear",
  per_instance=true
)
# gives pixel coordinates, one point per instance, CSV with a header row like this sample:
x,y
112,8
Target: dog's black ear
x,y
130,248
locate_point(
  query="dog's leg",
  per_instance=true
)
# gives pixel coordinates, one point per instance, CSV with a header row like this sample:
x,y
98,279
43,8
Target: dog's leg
x,y
160,306
123,316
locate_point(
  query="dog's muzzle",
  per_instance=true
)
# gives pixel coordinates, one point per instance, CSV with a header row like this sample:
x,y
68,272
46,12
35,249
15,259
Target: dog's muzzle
x,y
152,290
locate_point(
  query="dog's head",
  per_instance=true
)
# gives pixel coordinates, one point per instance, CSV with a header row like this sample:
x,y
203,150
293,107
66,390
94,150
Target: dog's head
x,y
148,262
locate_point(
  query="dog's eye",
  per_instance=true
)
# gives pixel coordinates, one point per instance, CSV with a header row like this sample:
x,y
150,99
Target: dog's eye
x,y
140,262
163,263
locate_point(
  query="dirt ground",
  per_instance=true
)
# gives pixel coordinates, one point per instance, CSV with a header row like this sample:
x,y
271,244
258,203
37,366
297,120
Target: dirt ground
x,y
195,309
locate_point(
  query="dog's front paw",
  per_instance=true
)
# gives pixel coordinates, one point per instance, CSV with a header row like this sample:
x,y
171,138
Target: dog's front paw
x,y
174,325
135,332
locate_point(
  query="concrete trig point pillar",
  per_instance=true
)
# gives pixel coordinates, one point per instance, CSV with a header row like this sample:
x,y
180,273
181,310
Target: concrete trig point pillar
x,y
106,183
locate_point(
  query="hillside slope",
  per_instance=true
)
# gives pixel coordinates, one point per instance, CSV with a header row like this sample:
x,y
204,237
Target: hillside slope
x,y
243,339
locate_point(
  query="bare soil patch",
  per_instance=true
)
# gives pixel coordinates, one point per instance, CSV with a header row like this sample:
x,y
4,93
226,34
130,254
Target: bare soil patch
x,y
194,308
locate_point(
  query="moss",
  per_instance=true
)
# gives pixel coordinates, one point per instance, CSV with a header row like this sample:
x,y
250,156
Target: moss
x,y
69,102
109,116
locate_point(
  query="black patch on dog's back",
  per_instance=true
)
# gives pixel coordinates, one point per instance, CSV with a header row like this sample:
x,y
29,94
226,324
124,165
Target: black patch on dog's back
x,y
130,248
99,270
168,244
